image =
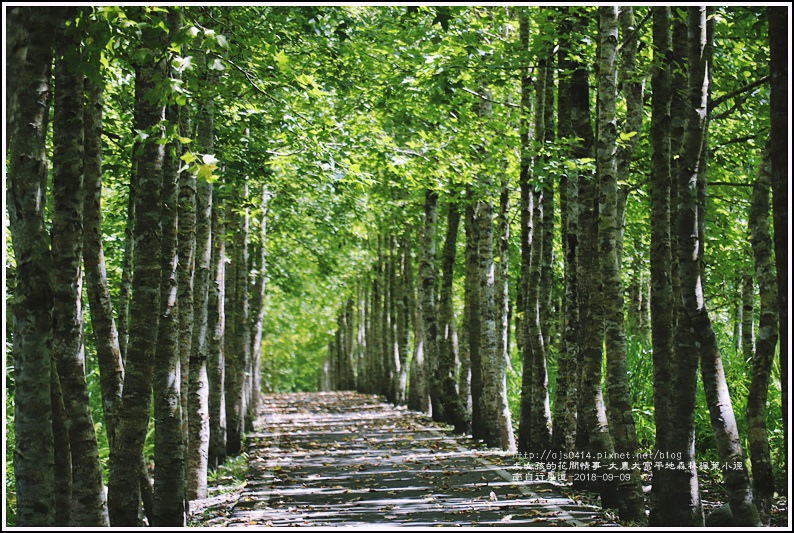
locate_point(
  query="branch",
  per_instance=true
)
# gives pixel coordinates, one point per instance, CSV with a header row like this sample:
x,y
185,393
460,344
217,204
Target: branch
x,y
410,152
475,93
252,81
113,137
637,28
736,140
728,184
279,154
737,92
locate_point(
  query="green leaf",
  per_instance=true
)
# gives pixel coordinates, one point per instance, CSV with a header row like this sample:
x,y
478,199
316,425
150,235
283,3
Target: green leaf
x,y
627,136
188,157
281,60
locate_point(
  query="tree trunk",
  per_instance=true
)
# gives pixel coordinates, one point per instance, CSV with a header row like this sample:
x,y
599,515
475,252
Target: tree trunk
x,y
691,269
621,421
473,327
126,272
403,314
258,304
133,415
206,343
236,312
757,436
779,112
547,323
169,445
63,452
427,298
106,339
666,493
186,264
418,398
566,392
540,420
675,500
89,506
453,409
216,321
501,291
29,56
592,433
489,400
748,316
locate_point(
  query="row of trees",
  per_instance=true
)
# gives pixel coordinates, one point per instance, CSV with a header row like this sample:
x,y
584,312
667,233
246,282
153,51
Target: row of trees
x,y
369,138
184,342
457,370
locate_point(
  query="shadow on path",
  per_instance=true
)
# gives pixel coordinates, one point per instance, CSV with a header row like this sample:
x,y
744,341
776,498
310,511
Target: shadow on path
x,y
342,458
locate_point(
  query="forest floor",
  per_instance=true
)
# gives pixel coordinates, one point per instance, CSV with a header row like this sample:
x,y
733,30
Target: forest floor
x,y
330,459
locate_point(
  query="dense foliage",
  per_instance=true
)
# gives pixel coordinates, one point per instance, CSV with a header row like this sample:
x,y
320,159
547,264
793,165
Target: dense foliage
x,y
348,115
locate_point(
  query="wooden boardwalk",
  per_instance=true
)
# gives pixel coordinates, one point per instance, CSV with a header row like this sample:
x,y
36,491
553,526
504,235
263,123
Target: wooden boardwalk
x,y
333,459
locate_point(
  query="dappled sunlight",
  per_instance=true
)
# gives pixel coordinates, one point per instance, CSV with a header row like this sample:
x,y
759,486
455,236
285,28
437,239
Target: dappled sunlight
x,y
330,458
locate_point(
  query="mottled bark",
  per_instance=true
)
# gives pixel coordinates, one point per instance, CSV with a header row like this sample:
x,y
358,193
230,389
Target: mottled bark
x,y
548,324
474,325
186,254
489,400
376,324
123,486
426,295
258,304
206,343
502,295
592,432
535,348
216,290
29,56
564,419
403,315
621,421
126,272
675,500
453,408
780,149
631,84
236,340
418,397
748,315
390,361
63,452
664,493
89,505
691,270
170,506
106,339
763,357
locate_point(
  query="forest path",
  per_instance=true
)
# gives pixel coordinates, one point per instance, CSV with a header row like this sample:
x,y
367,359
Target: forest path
x,y
342,458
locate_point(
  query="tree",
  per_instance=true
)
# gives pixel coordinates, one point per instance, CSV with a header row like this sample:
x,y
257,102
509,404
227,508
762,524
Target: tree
x,y
205,385
564,419
764,353
30,60
216,331
133,414
453,410
170,507
690,180
668,495
621,421
778,110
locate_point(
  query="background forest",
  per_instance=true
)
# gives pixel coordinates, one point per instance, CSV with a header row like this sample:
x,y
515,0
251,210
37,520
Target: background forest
x,y
554,228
